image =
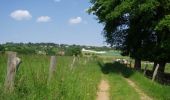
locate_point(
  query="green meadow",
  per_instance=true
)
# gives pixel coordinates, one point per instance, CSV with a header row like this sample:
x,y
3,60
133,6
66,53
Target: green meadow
x,y
77,83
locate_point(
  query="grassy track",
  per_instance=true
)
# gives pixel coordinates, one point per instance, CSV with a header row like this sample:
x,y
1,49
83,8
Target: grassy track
x,y
119,88
153,89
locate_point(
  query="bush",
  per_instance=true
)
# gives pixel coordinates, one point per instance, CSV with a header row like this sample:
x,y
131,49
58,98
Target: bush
x,y
73,50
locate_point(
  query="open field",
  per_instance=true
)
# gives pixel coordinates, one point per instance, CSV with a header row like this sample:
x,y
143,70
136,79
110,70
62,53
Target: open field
x,y
77,83
80,83
85,50
110,58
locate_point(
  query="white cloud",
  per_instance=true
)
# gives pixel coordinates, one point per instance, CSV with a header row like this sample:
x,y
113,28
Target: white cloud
x,y
21,15
75,20
43,19
57,0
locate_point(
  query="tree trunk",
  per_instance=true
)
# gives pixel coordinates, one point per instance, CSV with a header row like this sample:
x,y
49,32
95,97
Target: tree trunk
x,y
161,70
161,67
137,65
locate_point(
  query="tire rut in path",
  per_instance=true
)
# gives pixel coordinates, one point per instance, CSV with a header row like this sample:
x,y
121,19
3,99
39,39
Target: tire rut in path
x,y
142,95
103,90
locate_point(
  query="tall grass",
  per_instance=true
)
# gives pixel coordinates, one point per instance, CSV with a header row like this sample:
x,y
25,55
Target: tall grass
x,y
31,81
77,83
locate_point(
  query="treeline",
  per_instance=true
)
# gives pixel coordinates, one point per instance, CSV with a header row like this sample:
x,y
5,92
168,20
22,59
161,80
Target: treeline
x,y
47,48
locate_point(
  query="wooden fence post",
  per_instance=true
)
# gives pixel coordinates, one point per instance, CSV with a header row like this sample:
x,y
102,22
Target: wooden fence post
x,y
74,59
12,66
155,72
130,65
145,69
85,60
52,67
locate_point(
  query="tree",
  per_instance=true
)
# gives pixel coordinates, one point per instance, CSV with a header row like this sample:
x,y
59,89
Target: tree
x,y
163,43
2,49
73,50
131,24
141,36
115,15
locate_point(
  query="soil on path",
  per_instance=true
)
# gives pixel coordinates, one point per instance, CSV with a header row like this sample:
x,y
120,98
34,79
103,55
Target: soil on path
x,y
103,90
142,95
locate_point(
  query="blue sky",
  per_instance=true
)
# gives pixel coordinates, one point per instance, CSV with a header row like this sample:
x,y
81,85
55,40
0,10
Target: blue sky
x,y
58,21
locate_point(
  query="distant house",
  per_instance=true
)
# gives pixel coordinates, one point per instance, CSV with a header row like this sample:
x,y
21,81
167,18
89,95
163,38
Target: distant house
x,y
86,52
41,52
61,53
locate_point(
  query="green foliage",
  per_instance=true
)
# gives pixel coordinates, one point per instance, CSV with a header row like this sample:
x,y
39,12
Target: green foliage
x,y
163,30
73,50
164,24
50,51
139,28
1,48
48,48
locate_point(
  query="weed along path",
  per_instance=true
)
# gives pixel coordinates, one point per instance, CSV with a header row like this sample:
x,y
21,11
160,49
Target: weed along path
x,y
142,95
103,90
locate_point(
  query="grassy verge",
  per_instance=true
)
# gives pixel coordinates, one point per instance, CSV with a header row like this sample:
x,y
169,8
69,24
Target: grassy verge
x,y
153,89
119,88
80,83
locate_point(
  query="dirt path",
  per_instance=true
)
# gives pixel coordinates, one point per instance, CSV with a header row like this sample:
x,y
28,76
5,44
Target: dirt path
x,y
103,92
142,95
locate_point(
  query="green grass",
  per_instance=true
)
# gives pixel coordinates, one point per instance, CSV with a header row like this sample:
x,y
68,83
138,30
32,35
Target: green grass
x,y
150,66
80,83
153,89
119,88
112,53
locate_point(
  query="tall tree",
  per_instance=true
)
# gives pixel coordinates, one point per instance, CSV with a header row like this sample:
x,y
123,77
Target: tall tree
x,y
131,24
163,44
116,16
